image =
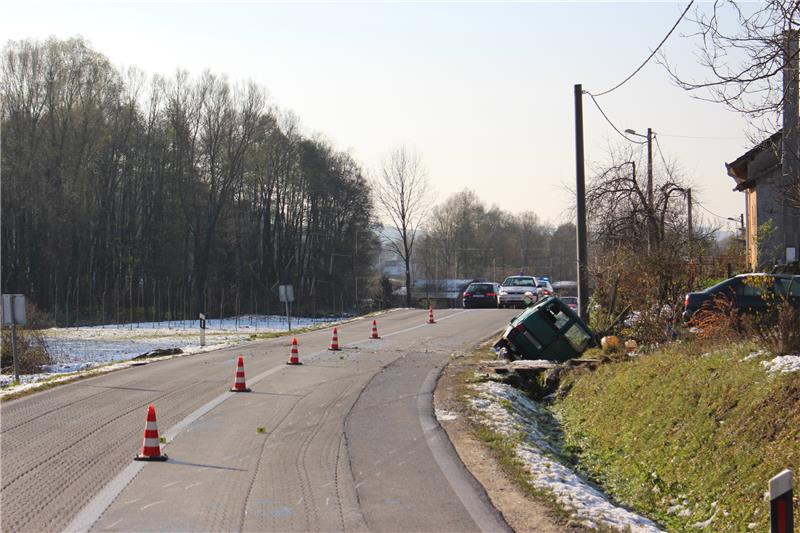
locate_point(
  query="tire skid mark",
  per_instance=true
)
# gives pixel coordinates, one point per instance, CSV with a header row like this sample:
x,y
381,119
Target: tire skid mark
x,y
7,428
87,435
301,461
257,468
66,461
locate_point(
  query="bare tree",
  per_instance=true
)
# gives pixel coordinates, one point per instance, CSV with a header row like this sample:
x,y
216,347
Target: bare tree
x,y
742,47
748,50
402,196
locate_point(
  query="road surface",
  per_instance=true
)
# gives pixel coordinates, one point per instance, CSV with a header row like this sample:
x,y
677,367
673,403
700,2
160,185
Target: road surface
x,y
349,441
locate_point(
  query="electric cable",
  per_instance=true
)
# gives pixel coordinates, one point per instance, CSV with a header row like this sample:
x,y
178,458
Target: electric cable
x,y
611,123
623,82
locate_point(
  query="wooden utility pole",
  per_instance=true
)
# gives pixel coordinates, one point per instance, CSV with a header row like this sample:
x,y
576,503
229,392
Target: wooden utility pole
x,y
689,217
651,212
580,191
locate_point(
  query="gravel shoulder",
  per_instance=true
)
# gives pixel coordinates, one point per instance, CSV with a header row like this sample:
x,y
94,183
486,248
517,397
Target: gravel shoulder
x,y
521,511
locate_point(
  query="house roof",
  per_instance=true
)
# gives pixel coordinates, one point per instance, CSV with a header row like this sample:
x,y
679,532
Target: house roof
x,y
738,169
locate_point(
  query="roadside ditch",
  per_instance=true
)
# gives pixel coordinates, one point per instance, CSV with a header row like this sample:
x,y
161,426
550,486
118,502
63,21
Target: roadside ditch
x,y
513,444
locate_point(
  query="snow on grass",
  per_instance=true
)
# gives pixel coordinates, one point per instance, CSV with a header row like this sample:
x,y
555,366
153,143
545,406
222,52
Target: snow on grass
x,y
783,363
61,372
112,342
753,355
508,412
445,416
94,349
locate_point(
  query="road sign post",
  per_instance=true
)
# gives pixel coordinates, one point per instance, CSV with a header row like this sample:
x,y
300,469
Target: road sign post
x,y
202,329
780,503
286,295
14,315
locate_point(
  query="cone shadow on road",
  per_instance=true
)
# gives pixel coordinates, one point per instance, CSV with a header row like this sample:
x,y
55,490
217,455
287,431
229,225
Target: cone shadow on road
x,y
200,465
278,394
123,388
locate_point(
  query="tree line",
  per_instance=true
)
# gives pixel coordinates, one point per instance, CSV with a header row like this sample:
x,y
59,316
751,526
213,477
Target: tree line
x,y
466,239
128,198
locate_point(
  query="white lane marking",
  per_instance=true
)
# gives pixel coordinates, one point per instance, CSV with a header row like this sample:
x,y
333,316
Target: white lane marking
x,y
92,511
187,487
151,505
485,516
327,501
115,523
170,484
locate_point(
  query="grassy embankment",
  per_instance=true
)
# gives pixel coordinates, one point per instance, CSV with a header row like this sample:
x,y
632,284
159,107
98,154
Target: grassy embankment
x,y
686,433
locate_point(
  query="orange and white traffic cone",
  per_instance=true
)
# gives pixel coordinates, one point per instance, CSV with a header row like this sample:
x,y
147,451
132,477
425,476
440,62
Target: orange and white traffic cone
x,y
239,384
334,347
294,358
375,330
151,448
430,316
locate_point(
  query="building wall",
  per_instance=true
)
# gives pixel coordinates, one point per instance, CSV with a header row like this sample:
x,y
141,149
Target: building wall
x,y
751,208
769,201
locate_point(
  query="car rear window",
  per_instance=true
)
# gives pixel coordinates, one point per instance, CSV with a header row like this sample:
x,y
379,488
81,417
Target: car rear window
x,y
480,287
519,282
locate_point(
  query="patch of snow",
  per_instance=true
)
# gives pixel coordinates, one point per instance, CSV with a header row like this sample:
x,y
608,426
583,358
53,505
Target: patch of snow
x,y
64,372
507,411
753,355
109,347
783,363
705,523
445,416
113,342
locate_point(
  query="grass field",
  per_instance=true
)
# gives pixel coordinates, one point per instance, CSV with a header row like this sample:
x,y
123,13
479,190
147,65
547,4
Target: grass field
x,y
687,435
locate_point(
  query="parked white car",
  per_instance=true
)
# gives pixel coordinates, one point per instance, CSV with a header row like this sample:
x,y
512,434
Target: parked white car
x,y
544,288
518,291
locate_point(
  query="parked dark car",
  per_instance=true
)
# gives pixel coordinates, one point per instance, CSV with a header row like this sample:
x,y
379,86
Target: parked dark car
x,y
481,295
571,301
749,293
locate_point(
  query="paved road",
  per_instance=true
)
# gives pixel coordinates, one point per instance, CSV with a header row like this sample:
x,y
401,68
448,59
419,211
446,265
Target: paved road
x,y
350,442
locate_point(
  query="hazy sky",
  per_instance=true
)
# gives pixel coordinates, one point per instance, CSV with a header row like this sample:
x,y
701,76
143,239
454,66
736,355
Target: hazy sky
x,y
483,91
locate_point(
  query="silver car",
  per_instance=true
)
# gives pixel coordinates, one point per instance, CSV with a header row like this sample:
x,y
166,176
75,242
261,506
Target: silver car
x,y
518,291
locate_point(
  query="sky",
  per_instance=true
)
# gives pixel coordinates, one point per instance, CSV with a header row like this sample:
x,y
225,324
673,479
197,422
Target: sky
x,y
483,92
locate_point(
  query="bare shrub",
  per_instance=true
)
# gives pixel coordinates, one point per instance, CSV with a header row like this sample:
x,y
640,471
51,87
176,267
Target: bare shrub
x,y
717,319
32,351
777,331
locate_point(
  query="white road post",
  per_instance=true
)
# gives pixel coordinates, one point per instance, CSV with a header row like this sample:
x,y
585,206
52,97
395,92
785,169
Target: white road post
x,y
780,503
202,329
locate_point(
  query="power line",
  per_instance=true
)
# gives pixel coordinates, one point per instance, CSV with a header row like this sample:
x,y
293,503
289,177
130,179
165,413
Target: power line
x,y
611,123
701,137
663,159
623,82
707,210
695,201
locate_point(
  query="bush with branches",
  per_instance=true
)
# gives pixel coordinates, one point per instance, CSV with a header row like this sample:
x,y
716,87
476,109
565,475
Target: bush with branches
x,y
32,351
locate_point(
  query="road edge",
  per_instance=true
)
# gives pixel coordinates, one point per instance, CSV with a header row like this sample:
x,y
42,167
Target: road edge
x,y
469,490
521,511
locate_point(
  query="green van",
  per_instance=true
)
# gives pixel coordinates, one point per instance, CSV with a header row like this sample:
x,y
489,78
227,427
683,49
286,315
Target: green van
x,y
548,330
